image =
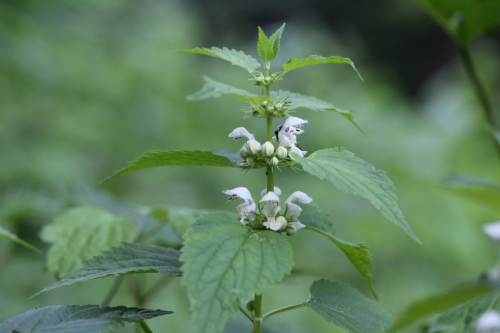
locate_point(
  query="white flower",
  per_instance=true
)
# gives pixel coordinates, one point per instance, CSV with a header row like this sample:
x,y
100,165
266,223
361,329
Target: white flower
x,y
293,210
281,152
240,132
253,146
280,224
297,225
274,161
246,209
489,321
291,128
267,148
492,230
277,191
294,149
270,210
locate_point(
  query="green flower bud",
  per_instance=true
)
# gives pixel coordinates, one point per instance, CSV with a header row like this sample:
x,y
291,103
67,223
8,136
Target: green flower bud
x,y
281,152
244,152
250,160
253,146
267,149
281,220
290,231
274,161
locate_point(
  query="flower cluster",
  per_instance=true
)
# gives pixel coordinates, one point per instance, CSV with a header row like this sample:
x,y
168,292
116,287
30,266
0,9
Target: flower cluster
x,y
267,109
268,216
275,153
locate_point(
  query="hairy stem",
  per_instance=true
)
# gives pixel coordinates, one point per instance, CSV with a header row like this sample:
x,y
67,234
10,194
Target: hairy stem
x,y
286,308
257,319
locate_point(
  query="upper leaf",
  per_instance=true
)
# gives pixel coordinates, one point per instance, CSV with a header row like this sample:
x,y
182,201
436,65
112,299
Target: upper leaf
x,y
7,234
80,233
214,89
275,40
481,191
353,175
175,157
315,60
312,217
130,258
225,263
264,48
312,103
237,58
76,319
346,307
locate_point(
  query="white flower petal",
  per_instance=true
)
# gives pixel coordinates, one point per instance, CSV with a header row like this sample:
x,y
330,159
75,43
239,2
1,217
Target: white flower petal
x,y
492,230
297,225
276,190
490,320
238,193
294,122
293,211
270,196
300,196
275,225
296,150
240,132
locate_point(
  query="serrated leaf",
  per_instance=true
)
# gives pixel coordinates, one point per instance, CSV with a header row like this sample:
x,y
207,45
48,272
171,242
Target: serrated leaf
x,y
237,58
80,233
312,217
225,263
174,157
345,307
130,258
264,48
312,103
7,234
275,39
231,155
481,191
353,175
440,302
316,60
76,319
214,89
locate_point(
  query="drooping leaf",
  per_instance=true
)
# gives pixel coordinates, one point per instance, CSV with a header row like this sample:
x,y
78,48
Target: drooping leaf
x,y
275,39
237,58
481,191
264,48
76,319
130,258
174,157
214,89
353,175
440,302
80,233
464,20
7,234
345,307
315,60
312,103
225,263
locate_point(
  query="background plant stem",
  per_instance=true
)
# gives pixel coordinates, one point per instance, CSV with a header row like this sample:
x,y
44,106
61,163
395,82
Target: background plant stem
x,y
257,320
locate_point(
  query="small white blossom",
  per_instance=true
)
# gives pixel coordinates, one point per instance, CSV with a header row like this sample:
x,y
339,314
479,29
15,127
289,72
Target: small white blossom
x,y
489,322
492,230
293,210
267,149
280,224
270,210
274,161
277,191
294,149
290,129
240,132
246,209
297,225
253,146
281,152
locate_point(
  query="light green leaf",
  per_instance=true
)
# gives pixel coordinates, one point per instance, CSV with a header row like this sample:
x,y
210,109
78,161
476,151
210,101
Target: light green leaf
x,y
353,175
7,234
76,319
214,89
312,217
80,233
315,60
345,307
174,157
464,20
231,155
312,103
264,48
440,302
481,191
237,58
225,263
275,40
130,258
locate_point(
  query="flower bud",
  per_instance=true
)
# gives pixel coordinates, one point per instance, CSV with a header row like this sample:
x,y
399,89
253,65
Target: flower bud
x,y
244,151
253,146
278,105
281,152
291,231
250,160
282,221
267,149
274,161
251,306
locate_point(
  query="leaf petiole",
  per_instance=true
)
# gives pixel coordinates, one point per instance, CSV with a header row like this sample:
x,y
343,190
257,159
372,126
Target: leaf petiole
x,y
245,313
286,308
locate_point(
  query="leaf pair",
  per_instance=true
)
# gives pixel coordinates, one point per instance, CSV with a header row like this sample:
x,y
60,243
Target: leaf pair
x,y
268,48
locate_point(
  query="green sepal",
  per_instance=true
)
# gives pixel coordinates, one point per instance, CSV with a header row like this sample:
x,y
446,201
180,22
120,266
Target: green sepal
x,y
316,60
237,58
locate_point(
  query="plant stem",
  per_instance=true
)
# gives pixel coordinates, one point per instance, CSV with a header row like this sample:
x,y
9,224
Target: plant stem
x,y
144,326
480,92
270,168
257,319
286,308
112,292
245,313
156,288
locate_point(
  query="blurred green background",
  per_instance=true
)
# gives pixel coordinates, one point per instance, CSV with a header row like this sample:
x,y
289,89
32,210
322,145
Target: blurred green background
x,y
86,86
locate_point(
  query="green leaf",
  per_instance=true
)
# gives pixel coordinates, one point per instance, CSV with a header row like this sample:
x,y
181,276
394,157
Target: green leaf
x,y
464,20
80,233
237,58
225,263
231,155
275,40
315,60
7,234
214,89
481,191
440,302
353,175
347,308
130,258
174,157
312,103
312,217
76,319
264,48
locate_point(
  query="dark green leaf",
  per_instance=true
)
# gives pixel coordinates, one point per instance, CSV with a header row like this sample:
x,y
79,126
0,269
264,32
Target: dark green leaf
x,y
275,40
481,191
130,258
353,175
214,89
7,234
76,319
264,48
80,233
315,60
174,157
225,263
347,308
237,58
